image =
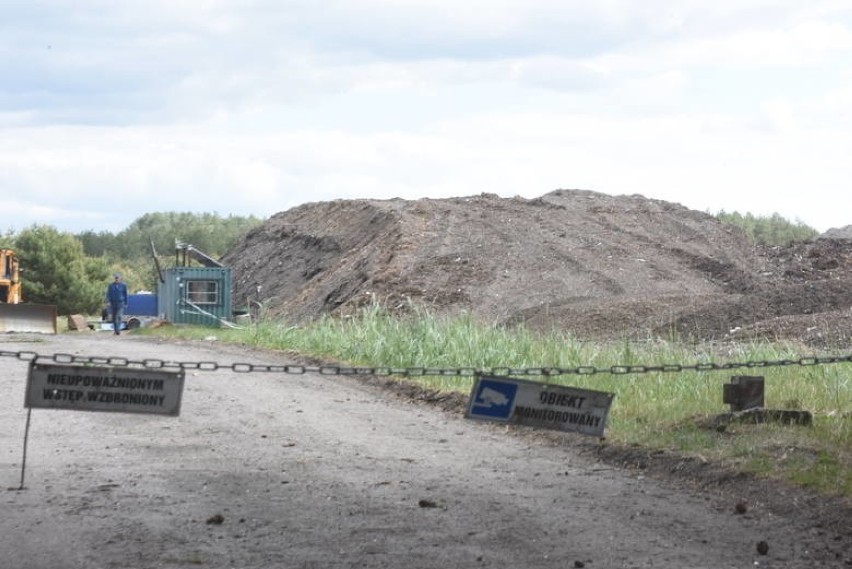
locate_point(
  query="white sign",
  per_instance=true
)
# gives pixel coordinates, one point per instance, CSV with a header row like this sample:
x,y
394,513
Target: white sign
x,y
119,390
541,405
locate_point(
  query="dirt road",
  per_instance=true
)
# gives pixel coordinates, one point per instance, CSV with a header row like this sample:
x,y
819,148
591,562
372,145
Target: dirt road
x,y
269,470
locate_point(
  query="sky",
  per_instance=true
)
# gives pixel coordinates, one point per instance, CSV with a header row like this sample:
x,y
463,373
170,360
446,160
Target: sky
x,y
110,110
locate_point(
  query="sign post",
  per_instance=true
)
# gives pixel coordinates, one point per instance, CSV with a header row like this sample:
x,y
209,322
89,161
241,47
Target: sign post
x,y
533,404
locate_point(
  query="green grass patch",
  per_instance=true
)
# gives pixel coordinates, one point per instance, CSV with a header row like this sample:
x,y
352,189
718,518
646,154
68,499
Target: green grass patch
x,y
658,410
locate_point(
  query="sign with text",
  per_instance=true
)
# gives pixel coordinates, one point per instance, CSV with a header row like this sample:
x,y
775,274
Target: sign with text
x,y
534,404
118,390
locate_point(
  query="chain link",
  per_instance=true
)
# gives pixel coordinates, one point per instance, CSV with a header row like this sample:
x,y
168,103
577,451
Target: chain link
x,y
290,369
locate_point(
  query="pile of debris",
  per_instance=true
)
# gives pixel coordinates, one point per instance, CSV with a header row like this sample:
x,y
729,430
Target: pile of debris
x,y
600,266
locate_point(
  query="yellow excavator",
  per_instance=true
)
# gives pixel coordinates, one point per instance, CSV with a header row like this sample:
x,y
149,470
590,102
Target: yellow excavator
x,y
15,314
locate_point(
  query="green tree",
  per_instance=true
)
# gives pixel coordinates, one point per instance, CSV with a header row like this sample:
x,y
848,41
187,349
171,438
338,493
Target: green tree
x,y
208,232
102,243
7,240
56,271
772,230
129,251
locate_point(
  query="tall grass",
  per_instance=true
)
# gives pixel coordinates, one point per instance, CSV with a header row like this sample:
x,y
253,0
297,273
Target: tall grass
x,y
657,410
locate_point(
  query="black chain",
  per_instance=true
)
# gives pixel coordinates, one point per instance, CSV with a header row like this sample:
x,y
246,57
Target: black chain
x,y
419,371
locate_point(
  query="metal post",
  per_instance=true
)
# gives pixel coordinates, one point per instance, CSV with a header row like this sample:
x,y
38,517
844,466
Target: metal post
x,y
26,438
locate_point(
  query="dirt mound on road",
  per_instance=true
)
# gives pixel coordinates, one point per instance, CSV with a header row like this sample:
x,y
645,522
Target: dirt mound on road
x,y
601,266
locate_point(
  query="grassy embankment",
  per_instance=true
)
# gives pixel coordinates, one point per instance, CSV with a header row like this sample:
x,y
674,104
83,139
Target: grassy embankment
x,y
655,410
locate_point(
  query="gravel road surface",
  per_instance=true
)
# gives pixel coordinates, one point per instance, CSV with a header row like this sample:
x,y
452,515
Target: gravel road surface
x,y
264,470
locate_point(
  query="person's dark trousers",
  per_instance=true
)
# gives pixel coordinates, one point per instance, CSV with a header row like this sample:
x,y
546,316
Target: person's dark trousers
x,y
117,313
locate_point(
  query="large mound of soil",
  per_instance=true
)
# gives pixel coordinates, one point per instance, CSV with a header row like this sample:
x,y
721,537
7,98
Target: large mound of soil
x,y
600,266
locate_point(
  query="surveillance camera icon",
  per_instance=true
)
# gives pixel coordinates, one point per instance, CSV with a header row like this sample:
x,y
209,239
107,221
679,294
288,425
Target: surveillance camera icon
x,y
491,398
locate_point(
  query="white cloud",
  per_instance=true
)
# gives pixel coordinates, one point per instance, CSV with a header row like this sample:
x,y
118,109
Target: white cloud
x,y
805,43
110,110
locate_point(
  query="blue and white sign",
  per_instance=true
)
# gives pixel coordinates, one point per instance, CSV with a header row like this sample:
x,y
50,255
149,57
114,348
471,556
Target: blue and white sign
x,y
493,399
541,405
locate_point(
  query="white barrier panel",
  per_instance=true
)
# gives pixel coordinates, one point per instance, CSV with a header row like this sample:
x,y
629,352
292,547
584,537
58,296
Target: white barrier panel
x,y
533,404
111,389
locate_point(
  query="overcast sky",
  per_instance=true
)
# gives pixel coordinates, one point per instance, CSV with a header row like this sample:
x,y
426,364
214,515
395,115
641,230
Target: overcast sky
x,y
113,109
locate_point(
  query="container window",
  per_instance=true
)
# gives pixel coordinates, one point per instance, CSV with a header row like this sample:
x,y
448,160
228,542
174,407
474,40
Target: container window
x,y
202,292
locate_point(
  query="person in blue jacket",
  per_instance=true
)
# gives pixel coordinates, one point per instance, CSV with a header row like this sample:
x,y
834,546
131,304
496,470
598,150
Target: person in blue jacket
x,y
117,298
